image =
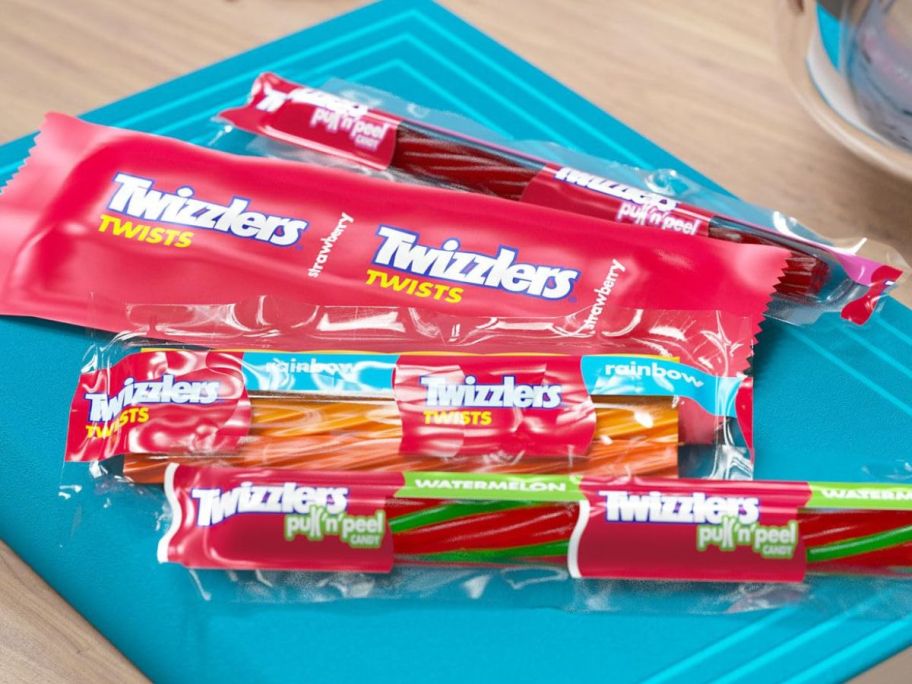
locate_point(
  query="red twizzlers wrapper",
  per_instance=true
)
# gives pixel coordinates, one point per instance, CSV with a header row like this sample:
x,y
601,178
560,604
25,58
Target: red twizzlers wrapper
x,y
128,218
160,402
324,522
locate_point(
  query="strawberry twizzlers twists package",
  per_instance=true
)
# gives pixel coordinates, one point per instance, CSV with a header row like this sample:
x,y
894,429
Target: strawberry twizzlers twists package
x,y
129,218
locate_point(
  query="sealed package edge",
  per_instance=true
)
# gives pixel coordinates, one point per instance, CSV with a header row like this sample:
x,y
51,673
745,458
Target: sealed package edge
x,y
817,275
632,528
100,213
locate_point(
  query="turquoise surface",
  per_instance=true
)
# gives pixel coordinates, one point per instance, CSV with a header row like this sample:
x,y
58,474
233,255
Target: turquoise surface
x,y
833,402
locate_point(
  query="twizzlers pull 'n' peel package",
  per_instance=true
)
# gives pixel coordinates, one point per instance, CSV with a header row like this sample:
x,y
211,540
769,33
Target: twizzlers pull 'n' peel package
x,y
123,217
817,273
632,528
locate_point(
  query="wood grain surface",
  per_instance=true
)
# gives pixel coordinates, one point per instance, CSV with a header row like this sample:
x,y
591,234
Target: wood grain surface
x,y
702,78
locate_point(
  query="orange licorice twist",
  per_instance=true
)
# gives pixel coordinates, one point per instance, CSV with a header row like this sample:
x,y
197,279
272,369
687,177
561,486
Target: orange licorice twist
x,y
633,435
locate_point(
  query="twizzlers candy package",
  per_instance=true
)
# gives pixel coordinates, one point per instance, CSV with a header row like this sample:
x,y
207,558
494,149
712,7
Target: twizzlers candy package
x,y
635,528
818,276
383,412
101,213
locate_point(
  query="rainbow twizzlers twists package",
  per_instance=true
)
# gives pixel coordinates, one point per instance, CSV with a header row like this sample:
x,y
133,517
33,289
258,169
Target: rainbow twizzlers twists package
x,y
608,415
122,218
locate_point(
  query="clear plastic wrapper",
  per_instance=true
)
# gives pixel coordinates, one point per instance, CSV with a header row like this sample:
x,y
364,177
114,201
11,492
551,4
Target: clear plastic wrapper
x,y
380,412
652,401
852,547
267,519
354,127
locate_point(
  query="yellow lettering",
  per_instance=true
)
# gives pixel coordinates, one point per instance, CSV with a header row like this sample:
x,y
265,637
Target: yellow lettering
x,y
414,286
167,237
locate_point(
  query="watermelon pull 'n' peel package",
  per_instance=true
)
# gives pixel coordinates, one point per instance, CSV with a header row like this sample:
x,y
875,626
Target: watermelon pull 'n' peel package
x,y
594,527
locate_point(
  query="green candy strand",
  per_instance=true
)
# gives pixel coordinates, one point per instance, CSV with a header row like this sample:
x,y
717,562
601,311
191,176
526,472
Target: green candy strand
x,y
859,546
448,512
507,555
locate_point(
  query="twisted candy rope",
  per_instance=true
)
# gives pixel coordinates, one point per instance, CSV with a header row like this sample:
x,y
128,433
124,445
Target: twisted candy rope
x,y
633,435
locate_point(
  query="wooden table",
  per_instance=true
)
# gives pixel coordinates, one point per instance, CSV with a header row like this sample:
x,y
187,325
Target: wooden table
x,y
701,78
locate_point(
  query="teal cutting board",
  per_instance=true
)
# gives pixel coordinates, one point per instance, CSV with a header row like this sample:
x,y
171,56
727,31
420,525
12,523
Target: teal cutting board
x,y
832,403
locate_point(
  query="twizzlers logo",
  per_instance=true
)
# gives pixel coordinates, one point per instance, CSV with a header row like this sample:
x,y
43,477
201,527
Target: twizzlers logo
x,y
723,522
614,189
314,513
697,508
273,99
441,393
137,198
103,407
400,250
215,505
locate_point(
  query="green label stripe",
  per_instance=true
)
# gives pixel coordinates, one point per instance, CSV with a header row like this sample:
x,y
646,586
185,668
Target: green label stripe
x,y
544,488
858,546
864,496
